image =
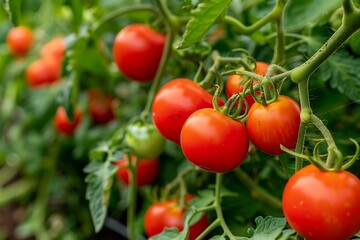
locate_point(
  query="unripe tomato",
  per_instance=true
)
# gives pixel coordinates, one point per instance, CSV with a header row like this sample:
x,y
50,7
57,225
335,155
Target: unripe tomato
x,y
144,140
62,122
322,205
213,141
174,103
41,72
19,40
55,48
234,85
274,125
147,171
100,106
137,51
168,214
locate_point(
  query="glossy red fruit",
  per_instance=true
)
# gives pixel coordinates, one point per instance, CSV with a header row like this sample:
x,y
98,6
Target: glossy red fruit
x,y
174,103
55,48
19,40
148,170
137,51
213,141
42,72
323,205
100,106
273,125
62,122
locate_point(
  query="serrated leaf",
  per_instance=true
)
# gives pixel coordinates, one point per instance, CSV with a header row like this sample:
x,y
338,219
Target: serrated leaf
x,y
168,233
268,228
99,181
285,234
203,17
299,14
341,70
12,7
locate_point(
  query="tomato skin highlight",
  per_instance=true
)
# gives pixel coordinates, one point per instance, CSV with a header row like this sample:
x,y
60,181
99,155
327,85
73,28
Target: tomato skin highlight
x,y
19,39
214,141
322,205
174,103
233,84
274,124
168,214
137,51
62,123
148,170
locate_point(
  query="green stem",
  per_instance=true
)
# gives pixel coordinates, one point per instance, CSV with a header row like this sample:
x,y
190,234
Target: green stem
x,y
248,30
133,166
350,24
164,60
211,227
300,145
6,174
16,191
279,53
257,191
217,203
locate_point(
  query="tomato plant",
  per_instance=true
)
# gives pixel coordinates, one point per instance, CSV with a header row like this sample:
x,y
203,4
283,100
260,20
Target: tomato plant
x,y
19,39
144,140
137,51
174,103
274,125
147,171
323,205
235,85
100,106
55,48
62,122
168,214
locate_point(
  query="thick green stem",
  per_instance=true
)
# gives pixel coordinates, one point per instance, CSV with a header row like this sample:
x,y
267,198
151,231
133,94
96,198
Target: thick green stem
x,y
300,145
164,59
279,53
211,227
257,191
132,197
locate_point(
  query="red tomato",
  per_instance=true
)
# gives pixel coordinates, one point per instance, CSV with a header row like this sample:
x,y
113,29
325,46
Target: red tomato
x,y
19,39
274,124
137,51
41,72
100,106
55,48
234,85
148,170
323,205
174,103
63,124
168,214
214,141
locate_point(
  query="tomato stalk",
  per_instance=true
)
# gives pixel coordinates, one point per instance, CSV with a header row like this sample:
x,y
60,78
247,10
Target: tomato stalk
x,y
279,51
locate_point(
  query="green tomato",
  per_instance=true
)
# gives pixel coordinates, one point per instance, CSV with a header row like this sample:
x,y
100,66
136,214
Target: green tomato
x,y
144,140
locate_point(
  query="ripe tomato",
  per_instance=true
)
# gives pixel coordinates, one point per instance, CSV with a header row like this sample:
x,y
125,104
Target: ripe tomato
x,y
100,106
234,85
214,141
55,48
144,140
147,171
19,39
137,51
274,124
41,72
174,103
63,124
323,205
168,214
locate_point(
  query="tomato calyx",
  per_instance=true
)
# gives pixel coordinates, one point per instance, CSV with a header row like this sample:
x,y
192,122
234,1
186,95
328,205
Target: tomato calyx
x,y
335,161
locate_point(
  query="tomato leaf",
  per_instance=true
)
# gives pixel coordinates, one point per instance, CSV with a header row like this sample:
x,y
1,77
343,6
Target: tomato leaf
x,y
99,181
12,7
299,14
268,228
168,233
203,18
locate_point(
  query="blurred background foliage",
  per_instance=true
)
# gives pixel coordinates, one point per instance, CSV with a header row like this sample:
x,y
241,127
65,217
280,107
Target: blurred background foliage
x,y
42,188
